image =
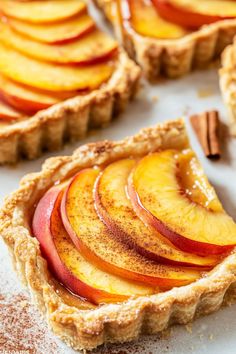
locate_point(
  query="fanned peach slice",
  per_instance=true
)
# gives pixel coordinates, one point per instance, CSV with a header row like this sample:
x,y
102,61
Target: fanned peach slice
x,y
115,209
42,11
91,49
66,262
55,33
51,77
7,113
160,200
26,99
142,16
193,14
95,243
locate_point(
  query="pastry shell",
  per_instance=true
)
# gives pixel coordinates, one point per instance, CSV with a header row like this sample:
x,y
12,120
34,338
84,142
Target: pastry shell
x,y
176,57
71,119
228,84
121,322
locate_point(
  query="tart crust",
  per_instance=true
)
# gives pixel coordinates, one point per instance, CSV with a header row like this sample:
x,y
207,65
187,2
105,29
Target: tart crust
x,y
87,329
176,57
228,84
71,119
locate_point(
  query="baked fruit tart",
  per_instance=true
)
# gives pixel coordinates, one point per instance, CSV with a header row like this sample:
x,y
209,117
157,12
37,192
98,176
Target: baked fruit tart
x,y
227,84
122,238
60,75
172,37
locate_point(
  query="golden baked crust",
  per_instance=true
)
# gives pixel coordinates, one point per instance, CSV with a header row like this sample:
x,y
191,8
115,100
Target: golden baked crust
x,y
228,84
87,329
176,57
70,119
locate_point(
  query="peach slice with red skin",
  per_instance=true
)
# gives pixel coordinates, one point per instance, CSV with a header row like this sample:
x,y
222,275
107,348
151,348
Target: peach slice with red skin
x,y
46,11
66,262
142,17
55,33
7,113
193,14
92,239
160,201
91,49
115,210
49,76
27,99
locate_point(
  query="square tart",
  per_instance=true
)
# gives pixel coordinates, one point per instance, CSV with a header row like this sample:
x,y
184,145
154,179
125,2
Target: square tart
x,y
227,75
173,57
115,322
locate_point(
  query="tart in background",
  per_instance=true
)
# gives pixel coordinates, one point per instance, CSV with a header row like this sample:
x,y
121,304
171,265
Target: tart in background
x,y
172,37
60,75
227,75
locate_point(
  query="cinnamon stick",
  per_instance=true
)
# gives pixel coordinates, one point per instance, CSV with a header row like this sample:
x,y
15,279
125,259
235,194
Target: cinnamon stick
x,y
206,126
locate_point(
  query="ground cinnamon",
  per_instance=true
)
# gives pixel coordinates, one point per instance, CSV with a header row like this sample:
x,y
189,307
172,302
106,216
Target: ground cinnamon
x,y
22,331
206,126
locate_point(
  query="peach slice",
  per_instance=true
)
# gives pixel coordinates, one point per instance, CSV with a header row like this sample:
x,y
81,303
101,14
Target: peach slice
x,y
66,262
193,14
144,19
51,77
55,33
91,49
93,240
26,99
115,210
7,113
159,199
42,11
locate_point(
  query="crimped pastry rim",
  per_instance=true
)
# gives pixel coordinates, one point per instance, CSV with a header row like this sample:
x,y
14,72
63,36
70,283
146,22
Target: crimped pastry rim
x,y
175,57
227,84
87,329
124,80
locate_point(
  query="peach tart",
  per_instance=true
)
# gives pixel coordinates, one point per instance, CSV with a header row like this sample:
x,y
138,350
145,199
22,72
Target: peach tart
x,y
227,75
172,37
122,238
60,75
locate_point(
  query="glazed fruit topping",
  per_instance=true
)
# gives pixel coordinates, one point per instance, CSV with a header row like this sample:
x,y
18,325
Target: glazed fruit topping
x,y
134,227
51,50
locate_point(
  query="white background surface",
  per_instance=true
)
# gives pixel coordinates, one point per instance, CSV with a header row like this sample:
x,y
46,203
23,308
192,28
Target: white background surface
x,y
215,333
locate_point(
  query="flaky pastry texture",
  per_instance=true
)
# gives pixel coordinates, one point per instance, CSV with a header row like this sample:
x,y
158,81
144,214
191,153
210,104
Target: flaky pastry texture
x,y
121,322
71,119
228,84
175,57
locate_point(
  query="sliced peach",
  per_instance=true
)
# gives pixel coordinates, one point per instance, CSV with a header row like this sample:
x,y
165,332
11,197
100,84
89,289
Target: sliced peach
x,y
193,14
7,113
93,240
144,19
51,77
27,99
115,210
42,11
159,199
91,49
55,33
66,262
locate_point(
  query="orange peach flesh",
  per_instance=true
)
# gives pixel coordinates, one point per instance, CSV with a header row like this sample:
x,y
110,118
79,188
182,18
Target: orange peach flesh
x,y
193,14
66,262
91,49
51,77
92,238
143,18
159,201
115,210
55,33
34,12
